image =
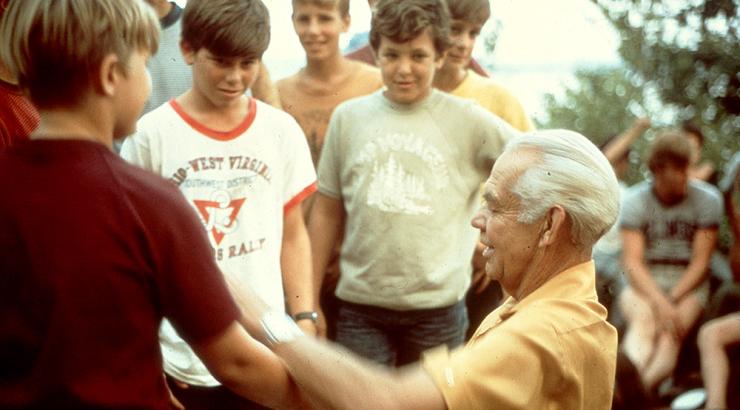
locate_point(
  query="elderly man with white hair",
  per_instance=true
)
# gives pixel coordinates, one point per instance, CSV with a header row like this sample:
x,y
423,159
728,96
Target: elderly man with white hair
x,y
549,198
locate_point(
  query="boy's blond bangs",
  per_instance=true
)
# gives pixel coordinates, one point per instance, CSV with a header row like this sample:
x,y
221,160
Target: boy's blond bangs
x,y
54,48
341,5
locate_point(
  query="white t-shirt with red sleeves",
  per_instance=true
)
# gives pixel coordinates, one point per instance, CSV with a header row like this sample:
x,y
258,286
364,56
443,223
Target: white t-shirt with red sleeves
x,y
240,183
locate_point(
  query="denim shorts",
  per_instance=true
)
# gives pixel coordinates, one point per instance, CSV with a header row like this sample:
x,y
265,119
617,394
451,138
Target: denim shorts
x,y
393,337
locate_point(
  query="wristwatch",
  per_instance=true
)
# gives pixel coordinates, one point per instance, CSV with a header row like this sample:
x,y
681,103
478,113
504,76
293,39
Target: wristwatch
x,y
279,328
312,316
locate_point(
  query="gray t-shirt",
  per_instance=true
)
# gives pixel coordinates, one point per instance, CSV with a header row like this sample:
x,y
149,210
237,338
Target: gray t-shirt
x,y
409,179
170,75
669,231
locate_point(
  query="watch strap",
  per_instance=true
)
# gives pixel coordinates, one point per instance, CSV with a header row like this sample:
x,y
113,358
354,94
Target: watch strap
x,y
309,315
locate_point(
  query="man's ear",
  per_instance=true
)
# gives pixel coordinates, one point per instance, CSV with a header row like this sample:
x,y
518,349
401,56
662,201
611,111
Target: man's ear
x,y
554,226
109,74
188,54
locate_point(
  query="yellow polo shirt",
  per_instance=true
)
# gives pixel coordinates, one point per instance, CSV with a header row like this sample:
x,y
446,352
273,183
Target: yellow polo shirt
x,y
494,98
553,349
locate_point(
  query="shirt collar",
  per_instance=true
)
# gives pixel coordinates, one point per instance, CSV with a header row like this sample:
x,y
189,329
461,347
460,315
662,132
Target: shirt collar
x,y
576,282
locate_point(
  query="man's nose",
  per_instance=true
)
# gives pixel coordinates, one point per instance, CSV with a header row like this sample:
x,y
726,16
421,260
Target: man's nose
x,y
479,222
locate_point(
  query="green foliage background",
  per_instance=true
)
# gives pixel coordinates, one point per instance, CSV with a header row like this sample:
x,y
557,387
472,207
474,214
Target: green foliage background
x,y
680,61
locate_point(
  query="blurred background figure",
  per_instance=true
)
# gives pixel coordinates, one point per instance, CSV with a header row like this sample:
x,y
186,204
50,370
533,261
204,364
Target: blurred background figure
x,y
608,250
669,230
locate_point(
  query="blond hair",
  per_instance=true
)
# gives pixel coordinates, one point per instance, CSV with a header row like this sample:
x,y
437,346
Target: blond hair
x,y
341,5
54,48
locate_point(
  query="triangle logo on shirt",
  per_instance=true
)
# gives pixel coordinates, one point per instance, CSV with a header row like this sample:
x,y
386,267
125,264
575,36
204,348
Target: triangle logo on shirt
x,y
219,216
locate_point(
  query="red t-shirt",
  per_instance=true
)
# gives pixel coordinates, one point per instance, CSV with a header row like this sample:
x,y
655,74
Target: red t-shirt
x,y
18,117
93,253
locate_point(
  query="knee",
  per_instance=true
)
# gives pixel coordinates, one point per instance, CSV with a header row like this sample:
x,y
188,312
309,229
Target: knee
x,y
709,336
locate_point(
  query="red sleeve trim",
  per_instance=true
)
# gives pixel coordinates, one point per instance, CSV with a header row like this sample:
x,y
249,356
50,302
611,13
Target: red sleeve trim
x,y
211,133
299,198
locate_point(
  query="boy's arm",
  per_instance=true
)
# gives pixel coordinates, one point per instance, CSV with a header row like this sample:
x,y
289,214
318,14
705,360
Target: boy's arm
x,y
702,247
248,368
329,375
264,89
324,227
622,143
295,260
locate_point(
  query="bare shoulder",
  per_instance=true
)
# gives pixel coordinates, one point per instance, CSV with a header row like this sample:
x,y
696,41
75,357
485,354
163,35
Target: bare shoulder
x,y
367,75
363,69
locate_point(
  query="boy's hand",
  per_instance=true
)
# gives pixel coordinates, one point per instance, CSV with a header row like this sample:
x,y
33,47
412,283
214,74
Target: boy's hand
x,y
174,403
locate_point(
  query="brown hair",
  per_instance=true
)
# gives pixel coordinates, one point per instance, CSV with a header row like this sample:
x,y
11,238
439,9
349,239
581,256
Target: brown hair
x,y
669,147
341,5
473,11
227,28
403,21
55,47
691,128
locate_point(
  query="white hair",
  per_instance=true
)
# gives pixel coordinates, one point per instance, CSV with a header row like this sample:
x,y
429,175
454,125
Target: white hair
x,y
573,173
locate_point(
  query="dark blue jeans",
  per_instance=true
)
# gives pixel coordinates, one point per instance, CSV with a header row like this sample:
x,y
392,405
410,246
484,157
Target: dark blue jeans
x,y
395,338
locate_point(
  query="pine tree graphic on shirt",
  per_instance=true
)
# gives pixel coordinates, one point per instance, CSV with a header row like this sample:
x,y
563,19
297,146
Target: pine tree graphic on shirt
x,y
393,189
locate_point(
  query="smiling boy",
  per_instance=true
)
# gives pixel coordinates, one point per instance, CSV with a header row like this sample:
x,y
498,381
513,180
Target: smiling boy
x,y
456,78
328,78
398,165
243,165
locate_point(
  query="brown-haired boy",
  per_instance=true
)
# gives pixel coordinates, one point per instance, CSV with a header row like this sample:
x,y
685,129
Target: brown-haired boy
x,y
94,251
366,54
456,78
669,230
243,165
398,165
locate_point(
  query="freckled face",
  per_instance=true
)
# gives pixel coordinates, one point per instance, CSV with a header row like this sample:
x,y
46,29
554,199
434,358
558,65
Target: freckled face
x,y
408,68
